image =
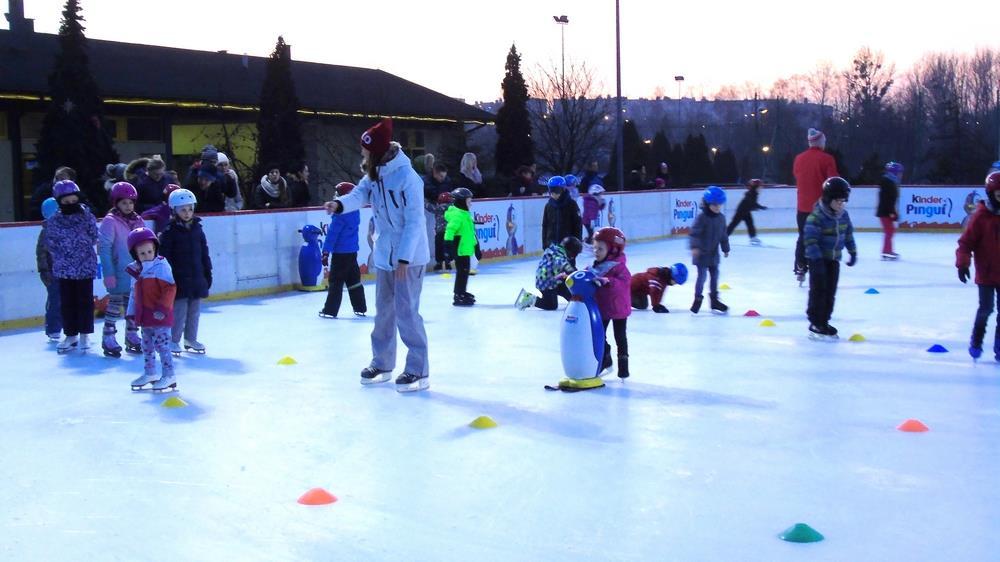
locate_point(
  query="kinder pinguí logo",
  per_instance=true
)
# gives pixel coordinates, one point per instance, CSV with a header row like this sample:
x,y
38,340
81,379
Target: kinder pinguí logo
x,y
684,209
487,226
930,206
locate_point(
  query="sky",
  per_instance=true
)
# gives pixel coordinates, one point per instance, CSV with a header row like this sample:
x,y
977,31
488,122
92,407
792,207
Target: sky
x,y
459,47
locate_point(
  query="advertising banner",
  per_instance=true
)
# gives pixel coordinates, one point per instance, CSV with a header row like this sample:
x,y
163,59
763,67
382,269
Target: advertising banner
x,y
366,236
499,227
684,207
937,207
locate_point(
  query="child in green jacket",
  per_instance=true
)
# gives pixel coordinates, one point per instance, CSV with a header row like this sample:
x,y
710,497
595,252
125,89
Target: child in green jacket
x,y
460,234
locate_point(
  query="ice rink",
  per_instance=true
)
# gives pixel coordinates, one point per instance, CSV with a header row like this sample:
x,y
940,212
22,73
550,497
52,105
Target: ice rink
x,y
726,434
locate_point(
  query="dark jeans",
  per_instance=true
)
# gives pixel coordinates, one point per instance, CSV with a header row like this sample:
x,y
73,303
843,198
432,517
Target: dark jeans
x,y
344,271
621,338
800,250
822,291
747,217
77,306
462,266
550,297
987,300
440,256
713,284
53,316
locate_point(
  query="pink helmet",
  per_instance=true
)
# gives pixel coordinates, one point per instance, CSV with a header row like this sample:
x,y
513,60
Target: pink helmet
x,y
123,190
138,236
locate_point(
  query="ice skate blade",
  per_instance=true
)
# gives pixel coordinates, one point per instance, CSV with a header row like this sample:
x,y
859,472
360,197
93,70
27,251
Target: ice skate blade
x,y
823,338
327,316
65,350
134,350
171,388
377,379
415,386
141,387
194,351
112,353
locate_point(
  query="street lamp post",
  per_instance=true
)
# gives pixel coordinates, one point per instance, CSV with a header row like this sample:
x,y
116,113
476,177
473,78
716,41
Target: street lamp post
x,y
620,172
679,79
563,21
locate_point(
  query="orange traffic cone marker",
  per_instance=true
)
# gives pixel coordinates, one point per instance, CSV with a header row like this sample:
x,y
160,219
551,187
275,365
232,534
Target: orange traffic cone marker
x,y
913,426
317,496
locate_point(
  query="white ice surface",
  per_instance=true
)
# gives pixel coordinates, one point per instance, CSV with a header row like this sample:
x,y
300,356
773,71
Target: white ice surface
x,y
726,434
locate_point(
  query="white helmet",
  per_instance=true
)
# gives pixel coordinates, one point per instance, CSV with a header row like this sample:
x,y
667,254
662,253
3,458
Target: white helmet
x,y
182,197
595,189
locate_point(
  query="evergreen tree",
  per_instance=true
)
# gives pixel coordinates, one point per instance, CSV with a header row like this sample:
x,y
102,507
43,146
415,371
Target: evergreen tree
x,y
72,131
698,165
725,167
659,152
279,135
634,154
514,144
678,167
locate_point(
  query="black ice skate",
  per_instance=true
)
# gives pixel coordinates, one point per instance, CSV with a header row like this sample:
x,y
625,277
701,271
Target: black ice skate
x,y
717,305
372,375
408,382
696,305
325,314
821,333
622,366
462,300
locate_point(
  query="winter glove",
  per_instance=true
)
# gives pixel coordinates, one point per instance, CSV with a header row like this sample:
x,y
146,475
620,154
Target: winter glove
x,y
325,259
817,266
110,282
963,274
660,308
479,253
853,259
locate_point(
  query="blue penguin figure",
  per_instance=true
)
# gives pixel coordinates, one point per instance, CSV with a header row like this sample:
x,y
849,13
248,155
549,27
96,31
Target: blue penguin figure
x,y
582,335
310,258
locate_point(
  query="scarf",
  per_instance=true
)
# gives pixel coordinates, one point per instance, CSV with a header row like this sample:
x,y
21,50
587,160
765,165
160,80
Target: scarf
x,y
273,190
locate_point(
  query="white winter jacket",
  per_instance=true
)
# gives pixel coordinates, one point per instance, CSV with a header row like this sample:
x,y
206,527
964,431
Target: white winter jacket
x,y
397,200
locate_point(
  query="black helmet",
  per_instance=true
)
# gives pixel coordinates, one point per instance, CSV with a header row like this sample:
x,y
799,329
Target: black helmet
x,y
461,193
836,188
572,245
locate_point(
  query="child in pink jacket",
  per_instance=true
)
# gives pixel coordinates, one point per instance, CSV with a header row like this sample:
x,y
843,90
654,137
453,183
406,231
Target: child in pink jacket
x,y
613,297
151,306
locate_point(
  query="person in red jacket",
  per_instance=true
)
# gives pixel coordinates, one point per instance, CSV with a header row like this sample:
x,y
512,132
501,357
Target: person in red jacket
x,y
648,286
981,242
811,168
151,306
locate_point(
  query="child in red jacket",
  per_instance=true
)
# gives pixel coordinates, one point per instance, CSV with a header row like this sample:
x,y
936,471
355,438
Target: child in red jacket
x,y
652,283
981,241
613,298
151,306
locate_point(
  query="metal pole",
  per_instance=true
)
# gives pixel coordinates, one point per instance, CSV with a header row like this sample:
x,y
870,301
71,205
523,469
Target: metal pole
x,y
618,114
562,32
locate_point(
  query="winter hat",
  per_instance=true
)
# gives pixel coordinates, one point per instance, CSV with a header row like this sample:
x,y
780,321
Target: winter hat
x,y
155,163
222,158
115,171
815,137
376,139
209,152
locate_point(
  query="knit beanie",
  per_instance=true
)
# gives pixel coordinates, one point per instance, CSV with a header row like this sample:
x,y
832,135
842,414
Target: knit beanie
x,y
376,139
815,137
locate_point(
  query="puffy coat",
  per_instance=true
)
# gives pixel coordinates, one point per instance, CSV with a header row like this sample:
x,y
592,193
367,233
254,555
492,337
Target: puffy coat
x,y
708,233
561,218
70,240
153,290
150,190
397,200
614,299
653,282
186,248
298,193
554,261
160,215
592,206
888,195
43,260
981,242
460,224
811,168
112,247
826,234
342,234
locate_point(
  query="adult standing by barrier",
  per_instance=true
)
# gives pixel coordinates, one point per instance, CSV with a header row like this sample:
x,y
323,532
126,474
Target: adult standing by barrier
x,y
811,168
888,196
395,192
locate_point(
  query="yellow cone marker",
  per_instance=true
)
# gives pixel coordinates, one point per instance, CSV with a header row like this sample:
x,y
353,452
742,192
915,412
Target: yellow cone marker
x,y
857,338
767,324
174,402
483,422
287,360
724,287
445,276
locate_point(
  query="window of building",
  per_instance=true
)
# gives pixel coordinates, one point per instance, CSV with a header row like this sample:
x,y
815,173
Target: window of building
x,y
144,129
412,143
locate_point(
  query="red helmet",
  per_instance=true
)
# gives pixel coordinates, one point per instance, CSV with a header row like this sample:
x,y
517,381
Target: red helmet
x,y
992,182
755,183
171,187
614,238
445,197
344,187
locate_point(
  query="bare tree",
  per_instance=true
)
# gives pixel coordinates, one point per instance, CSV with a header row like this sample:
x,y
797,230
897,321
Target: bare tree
x,y
572,124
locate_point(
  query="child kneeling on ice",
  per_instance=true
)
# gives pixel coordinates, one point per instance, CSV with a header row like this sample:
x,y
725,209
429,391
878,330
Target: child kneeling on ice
x,y
553,269
151,307
652,283
613,299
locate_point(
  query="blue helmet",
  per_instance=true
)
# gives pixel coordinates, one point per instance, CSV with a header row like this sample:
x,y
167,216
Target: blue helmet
x,y
995,167
571,180
49,207
894,168
714,196
557,182
679,273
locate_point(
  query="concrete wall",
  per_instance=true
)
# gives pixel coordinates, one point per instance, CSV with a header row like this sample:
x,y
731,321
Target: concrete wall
x,y
256,252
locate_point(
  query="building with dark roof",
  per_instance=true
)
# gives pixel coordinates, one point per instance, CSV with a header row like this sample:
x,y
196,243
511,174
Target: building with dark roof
x,y
168,101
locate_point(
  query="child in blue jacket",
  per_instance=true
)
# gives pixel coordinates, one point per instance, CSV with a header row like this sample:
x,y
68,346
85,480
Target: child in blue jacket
x,y
340,252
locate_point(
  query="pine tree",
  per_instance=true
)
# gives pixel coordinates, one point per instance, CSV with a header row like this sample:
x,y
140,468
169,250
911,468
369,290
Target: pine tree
x,y
725,167
514,145
634,154
279,135
697,163
659,152
73,132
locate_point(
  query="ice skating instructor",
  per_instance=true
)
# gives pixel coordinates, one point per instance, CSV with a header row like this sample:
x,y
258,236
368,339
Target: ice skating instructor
x,y
396,194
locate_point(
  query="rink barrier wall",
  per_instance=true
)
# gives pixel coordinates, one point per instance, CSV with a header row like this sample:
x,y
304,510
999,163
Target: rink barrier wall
x,y
255,253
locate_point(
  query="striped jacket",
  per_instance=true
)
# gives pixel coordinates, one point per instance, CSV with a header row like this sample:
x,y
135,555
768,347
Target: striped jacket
x,y
554,261
826,234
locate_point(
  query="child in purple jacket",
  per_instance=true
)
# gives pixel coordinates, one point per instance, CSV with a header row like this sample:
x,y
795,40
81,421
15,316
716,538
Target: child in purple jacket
x,y
70,236
162,213
593,203
112,246
614,299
